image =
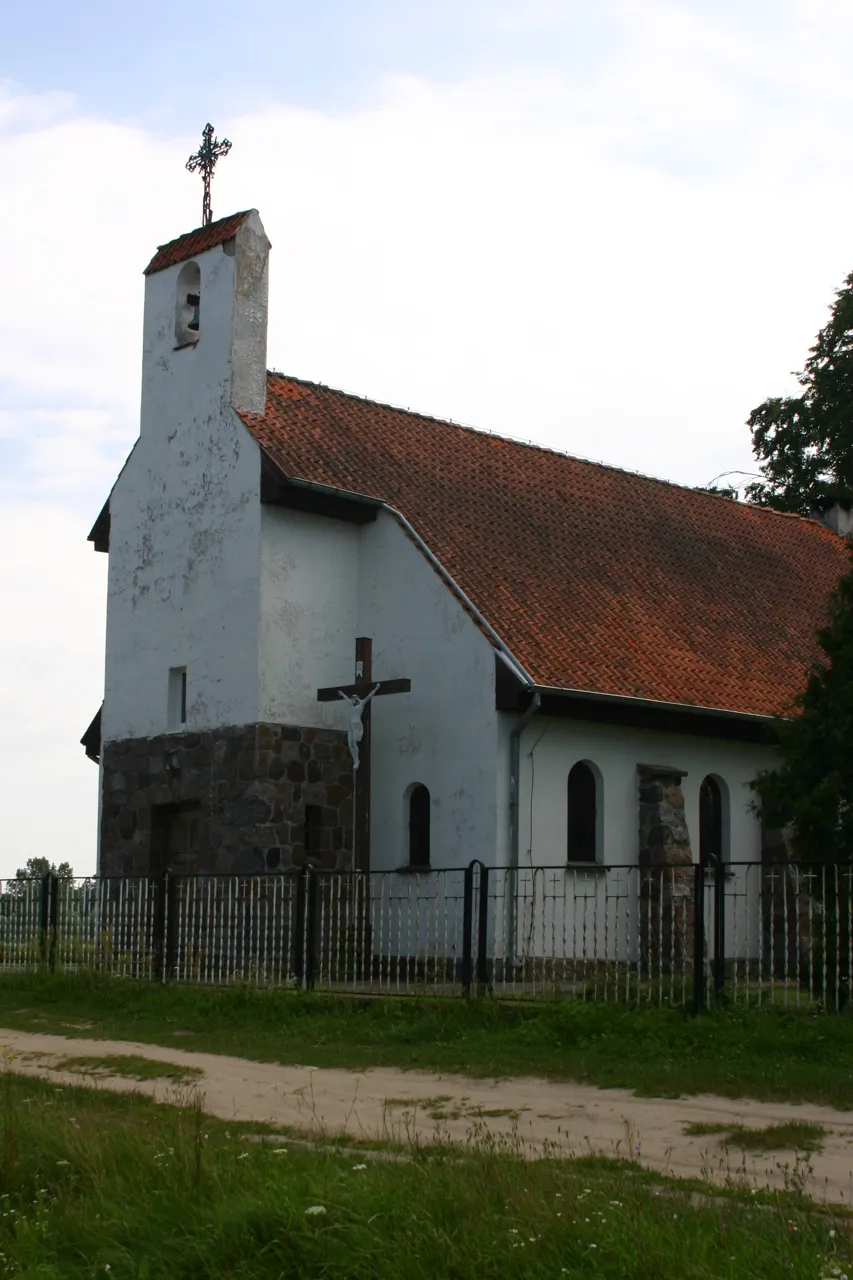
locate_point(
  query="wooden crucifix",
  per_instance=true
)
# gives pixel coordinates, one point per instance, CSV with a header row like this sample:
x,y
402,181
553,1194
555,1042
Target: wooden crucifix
x,y
360,695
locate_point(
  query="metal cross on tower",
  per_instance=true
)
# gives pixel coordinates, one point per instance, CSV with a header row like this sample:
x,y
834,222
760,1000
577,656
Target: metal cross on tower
x,y
205,159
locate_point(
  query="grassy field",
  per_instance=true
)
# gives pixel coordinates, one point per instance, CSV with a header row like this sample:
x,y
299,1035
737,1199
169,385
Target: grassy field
x,y
94,1184
797,1056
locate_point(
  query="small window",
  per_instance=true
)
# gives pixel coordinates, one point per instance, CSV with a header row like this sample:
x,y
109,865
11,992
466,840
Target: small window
x,y
273,858
582,815
177,709
419,814
710,822
188,305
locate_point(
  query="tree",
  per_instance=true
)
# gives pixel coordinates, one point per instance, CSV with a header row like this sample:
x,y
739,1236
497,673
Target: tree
x,y
811,790
804,443
40,867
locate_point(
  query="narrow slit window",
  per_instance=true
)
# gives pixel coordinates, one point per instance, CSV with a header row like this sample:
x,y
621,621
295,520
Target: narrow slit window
x,y
582,815
419,821
177,708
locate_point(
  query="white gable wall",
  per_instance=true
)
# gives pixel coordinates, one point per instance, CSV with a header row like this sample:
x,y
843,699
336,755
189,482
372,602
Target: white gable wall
x,y
325,582
444,734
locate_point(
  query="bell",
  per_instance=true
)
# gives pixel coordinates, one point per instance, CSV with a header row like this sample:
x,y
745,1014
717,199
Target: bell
x,y
193,301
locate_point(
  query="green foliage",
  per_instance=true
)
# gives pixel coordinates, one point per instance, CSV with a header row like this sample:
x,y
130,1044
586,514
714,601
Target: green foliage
x,y
37,868
804,443
811,790
94,1184
796,1055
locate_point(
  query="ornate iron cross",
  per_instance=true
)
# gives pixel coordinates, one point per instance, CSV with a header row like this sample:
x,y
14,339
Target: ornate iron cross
x,y
205,159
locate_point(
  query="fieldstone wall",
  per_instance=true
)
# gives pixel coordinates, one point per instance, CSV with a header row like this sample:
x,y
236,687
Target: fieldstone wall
x,y
667,878
249,786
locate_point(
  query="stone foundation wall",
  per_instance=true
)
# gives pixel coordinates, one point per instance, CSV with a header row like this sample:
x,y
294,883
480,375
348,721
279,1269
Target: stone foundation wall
x,y
247,788
667,881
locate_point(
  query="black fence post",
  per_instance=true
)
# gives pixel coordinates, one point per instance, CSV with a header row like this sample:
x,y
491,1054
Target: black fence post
x,y
53,920
48,917
166,925
719,926
299,927
312,900
483,929
468,928
698,936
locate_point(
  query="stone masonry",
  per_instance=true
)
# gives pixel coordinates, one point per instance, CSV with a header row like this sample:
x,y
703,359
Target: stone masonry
x,y
248,788
667,878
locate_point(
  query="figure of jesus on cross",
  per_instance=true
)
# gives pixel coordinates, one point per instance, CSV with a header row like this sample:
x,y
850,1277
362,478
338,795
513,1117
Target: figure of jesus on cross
x,y
360,695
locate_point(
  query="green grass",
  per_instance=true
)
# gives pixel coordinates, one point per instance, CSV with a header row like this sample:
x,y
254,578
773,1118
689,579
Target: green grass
x,y
794,1135
95,1184
132,1065
795,1056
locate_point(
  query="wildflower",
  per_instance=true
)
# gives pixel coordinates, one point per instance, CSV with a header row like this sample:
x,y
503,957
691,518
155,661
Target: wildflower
x,y
244,1155
314,1210
593,1246
278,1150
64,1164
357,1167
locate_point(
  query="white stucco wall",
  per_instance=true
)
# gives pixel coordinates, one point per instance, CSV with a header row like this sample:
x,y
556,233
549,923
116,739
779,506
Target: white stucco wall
x,y
559,744
309,614
325,582
444,734
185,526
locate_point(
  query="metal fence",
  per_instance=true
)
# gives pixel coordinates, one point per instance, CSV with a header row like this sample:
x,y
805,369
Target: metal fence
x,y
762,933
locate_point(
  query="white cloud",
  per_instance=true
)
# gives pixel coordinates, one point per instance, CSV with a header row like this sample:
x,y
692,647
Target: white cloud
x,y
620,263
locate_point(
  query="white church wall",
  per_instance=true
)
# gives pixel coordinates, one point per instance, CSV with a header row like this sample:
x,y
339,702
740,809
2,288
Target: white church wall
x,y
309,614
325,582
576,911
444,733
185,527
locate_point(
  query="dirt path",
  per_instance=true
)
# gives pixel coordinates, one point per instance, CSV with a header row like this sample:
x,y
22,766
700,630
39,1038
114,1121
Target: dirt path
x,y
382,1103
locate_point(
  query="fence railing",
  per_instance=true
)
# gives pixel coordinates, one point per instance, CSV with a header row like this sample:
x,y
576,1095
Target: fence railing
x,y
763,933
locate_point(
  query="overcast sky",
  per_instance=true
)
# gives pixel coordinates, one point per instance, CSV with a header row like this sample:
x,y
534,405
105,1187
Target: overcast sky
x,y
609,227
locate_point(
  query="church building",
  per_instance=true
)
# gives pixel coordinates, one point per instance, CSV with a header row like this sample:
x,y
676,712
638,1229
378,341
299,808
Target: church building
x,y
357,637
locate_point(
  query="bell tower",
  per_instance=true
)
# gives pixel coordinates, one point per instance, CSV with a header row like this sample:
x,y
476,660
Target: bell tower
x,y
205,323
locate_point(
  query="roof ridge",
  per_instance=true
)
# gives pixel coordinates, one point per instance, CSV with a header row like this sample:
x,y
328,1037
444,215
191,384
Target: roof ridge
x,y
544,448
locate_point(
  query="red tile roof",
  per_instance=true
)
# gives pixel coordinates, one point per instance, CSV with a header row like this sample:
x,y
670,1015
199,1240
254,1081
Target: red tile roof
x,y
198,241
596,579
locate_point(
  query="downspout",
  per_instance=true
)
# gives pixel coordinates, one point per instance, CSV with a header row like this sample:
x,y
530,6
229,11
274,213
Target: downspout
x,y
514,824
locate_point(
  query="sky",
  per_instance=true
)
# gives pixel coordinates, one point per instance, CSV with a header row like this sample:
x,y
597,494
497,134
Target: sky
x,y
609,226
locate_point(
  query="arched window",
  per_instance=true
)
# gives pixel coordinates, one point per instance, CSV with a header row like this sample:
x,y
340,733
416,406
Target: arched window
x,y
582,814
419,805
710,822
188,304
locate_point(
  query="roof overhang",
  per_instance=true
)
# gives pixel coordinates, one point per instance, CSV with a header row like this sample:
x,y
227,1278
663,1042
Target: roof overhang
x,y
628,712
281,490
99,534
91,739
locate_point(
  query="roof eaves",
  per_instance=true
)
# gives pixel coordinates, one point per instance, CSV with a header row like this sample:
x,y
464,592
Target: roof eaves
x,y
683,708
